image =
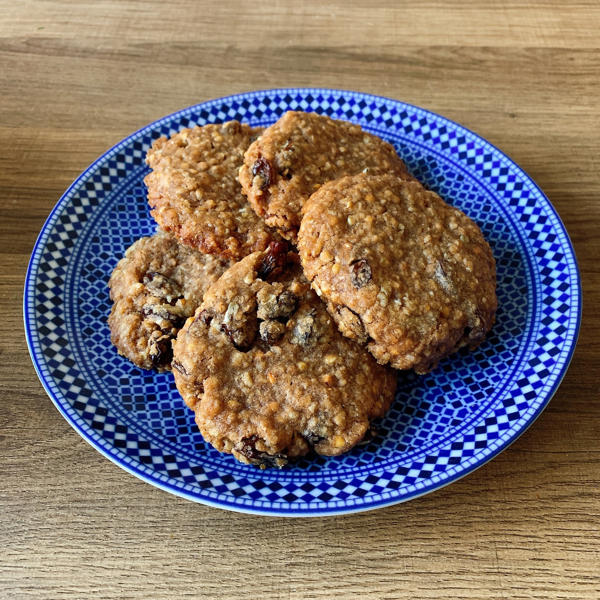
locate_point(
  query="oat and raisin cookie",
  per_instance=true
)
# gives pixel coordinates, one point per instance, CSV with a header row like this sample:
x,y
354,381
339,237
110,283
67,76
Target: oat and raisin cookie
x,y
266,371
194,192
300,152
154,288
400,270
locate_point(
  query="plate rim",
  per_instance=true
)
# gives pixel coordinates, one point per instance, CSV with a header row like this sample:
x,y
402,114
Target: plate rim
x,y
29,321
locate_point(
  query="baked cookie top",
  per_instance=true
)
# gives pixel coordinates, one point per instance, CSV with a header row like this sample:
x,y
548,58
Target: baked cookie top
x,y
154,288
302,151
400,270
266,370
194,192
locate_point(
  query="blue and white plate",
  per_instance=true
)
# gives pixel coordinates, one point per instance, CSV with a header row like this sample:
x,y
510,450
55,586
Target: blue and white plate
x,y
441,426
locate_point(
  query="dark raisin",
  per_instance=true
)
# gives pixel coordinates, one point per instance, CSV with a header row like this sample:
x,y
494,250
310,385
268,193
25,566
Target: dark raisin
x,y
312,438
275,258
303,330
286,304
240,324
247,448
162,311
263,169
149,311
351,324
179,367
205,317
361,273
150,275
178,322
238,338
161,351
271,306
271,331
475,332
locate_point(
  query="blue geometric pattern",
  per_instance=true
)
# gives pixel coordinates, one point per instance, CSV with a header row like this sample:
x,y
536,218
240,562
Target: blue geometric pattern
x,y
441,426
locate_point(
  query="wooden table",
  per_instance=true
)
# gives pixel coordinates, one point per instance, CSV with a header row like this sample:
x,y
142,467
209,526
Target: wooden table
x,y
76,77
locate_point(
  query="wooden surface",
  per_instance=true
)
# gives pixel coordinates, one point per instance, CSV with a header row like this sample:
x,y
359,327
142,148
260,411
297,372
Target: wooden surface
x,y
76,77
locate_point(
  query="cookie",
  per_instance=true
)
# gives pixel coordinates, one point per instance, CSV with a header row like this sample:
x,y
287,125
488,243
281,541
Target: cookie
x,y
300,152
266,371
155,287
400,270
194,192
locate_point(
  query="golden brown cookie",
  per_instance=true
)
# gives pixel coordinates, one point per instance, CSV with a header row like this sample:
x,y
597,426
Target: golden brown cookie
x,y
400,270
302,151
155,287
194,192
266,371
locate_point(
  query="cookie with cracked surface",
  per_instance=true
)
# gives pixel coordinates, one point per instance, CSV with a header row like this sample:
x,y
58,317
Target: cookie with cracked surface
x,y
155,287
302,151
400,270
194,193
266,371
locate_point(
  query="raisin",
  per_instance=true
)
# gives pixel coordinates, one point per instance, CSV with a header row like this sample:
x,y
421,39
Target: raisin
x,y
179,367
161,351
475,332
271,306
361,273
177,322
286,304
271,331
162,312
151,275
241,327
274,259
263,169
247,448
237,338
303,330
351,324
205,317
312,438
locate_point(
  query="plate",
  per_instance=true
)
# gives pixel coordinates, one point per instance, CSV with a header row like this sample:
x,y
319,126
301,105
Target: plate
x,y
440,427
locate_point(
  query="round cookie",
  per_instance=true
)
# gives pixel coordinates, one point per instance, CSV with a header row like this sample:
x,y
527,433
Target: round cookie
x,y
300,152
400,270
194,192
266,371
155,287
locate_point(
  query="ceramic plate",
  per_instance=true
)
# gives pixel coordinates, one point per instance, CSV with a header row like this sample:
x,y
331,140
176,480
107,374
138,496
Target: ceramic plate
x,y
440,427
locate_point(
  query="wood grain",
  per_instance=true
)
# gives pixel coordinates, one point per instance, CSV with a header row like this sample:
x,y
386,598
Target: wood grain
x,y
78,76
